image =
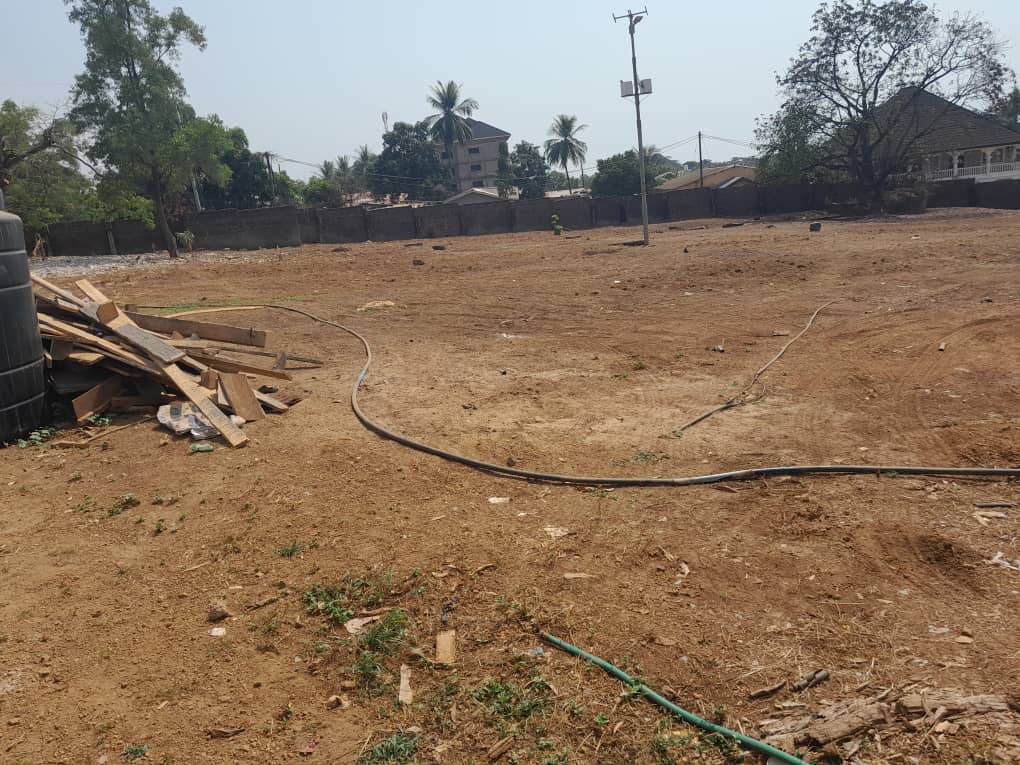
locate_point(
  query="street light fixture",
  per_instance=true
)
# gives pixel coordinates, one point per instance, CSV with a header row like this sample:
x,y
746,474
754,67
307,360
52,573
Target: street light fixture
x,y
637,88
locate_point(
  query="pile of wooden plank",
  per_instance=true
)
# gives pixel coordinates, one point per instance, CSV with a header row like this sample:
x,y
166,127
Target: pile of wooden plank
x,y
111,360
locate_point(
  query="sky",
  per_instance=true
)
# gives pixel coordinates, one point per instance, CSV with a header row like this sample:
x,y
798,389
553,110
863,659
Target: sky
x,y
310,79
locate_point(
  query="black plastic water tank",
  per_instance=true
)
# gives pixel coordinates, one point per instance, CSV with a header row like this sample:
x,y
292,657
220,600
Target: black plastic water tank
x,y
22,378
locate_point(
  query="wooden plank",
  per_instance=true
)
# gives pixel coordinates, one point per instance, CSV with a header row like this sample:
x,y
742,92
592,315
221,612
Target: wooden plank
x,y
240,396
273,404
126,329
68,296
85,358
60,349
229,365
81,337
106,310
200,398
97,399
203,346
210,378
224,333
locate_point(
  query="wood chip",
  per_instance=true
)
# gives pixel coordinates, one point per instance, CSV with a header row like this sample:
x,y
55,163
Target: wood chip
x,y
578,575
405,695
500,748
446,647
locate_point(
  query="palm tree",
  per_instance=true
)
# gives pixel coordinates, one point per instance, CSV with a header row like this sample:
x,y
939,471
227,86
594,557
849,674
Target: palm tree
x,y
449,124
565,147
363,166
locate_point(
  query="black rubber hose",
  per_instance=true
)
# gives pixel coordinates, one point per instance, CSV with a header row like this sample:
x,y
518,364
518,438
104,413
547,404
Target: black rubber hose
x,y
529,475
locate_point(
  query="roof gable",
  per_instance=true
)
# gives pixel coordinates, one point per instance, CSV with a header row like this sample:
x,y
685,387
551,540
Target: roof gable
x,y
483,130
942,125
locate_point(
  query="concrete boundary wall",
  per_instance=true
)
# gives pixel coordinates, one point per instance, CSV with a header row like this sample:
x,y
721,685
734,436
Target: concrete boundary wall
x,y
291,226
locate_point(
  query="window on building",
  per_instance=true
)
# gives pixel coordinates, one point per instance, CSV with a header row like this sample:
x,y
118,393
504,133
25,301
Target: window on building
x,y
476,168
474,150
478,184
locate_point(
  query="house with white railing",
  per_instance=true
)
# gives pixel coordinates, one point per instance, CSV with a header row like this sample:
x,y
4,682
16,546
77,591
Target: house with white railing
x,y
954,142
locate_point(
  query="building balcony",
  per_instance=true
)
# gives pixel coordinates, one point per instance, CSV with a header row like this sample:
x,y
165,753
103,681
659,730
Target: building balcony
x,y
993,171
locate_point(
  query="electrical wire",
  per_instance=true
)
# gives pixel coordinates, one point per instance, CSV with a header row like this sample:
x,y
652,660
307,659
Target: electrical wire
x,y
530,475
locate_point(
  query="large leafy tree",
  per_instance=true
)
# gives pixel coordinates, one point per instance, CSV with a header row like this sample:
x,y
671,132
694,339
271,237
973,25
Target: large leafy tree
x,y
38,175
853,92
565,148
46,185
250,184
132,99
529,170
618,175
449,125
408,165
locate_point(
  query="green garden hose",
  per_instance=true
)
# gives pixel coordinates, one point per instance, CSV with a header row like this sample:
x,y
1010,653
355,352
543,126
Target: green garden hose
x,y
688,717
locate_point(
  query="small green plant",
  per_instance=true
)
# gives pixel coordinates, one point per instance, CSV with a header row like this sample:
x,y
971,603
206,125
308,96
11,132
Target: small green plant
x,y
87,504
329,602
98,421
290,550
385,635
123,503
554,221
75,476
508,699
598,492
662,746
367,668
38,436
601,719
639,365
134,751
620,376
574,709
185,239
159,528
399,747
559,758
159,499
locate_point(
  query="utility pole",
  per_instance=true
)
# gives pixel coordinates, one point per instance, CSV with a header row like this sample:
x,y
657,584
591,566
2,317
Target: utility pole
x,y
272,181
701,165
633,20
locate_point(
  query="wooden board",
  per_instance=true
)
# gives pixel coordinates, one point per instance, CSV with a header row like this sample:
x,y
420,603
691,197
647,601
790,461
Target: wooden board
x,y
229,365
97,399
60,349
204,347
155,347
199,396
81,337
68,296
240,396
106,310
86,358
273,404
223,333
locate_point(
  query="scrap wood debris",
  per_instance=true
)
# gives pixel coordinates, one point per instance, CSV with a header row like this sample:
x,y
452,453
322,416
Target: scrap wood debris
x,y
912,709
185,372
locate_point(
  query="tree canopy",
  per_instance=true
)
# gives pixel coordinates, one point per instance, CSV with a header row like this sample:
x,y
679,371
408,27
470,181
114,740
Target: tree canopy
x,y
529,170
449,124
851,93
618,175
132,100
408,164
565,148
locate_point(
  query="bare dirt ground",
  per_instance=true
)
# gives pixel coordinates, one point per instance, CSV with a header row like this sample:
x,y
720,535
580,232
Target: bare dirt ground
x,y
572,355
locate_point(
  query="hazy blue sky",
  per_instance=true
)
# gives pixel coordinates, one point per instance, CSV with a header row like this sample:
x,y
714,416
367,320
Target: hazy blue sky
x,y
309,79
